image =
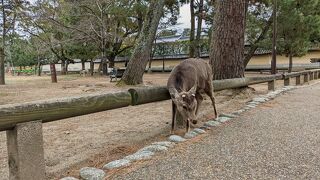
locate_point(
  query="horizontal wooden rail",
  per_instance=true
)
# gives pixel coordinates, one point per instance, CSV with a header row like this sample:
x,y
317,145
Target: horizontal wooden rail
x,y
149,94
52,110
243,82
251,68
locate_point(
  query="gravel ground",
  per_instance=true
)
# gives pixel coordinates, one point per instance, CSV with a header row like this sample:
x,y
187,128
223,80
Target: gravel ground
x,y
278,140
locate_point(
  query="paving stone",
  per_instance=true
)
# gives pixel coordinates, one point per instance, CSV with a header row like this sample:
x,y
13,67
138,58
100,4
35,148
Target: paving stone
x,y
154,148
190,135
272,96
278,91
90,173
117,164
212,123
228,115
176,138
69,178
199,131
247,108
251,106
204,127
223,119
259,99
254,103
164,143
239,112
288,87
140,155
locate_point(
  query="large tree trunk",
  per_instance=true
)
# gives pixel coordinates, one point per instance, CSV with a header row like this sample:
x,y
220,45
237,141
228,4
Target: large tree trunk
x,y
227,44
63,67
105,67
2,50
199,29
67,65
138,62
83,64
53,73
38,68
2,80
111,61
192,46
290,63
91,67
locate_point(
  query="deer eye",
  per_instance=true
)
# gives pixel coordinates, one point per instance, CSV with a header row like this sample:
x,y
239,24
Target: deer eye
x,y
184,107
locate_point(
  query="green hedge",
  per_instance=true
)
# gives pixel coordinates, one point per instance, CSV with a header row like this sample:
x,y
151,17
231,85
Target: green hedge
x,y
25,71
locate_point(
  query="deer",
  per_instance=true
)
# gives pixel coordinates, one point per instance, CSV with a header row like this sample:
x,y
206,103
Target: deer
x,y
185,84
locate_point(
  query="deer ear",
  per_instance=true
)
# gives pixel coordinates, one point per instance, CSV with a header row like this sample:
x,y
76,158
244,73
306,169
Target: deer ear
x,y
193,90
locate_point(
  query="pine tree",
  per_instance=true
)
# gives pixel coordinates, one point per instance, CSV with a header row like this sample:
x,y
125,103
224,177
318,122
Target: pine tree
x,y
139,59
297,23
227,44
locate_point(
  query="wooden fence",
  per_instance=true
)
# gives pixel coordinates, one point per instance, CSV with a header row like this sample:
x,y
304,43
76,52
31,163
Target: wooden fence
x,y
23,122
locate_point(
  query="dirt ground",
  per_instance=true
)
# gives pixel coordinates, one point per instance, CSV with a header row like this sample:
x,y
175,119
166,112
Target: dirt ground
x,y
95,139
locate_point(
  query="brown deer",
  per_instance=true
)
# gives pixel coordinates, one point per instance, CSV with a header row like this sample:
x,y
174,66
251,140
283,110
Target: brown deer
x,y
185,83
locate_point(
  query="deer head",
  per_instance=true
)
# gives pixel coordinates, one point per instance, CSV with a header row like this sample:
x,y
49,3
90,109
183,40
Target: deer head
x,y
186,103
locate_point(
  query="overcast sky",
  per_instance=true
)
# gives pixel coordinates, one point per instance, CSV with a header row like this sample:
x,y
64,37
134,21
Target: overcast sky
x,y
184,19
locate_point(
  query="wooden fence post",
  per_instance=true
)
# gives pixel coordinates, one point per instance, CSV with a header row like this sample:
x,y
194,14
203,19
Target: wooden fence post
x,y
298,78
306,78
311,76
271,85
286,81
25,152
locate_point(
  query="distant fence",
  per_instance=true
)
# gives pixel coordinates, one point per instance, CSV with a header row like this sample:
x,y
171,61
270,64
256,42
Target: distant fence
x,y
256,68
23,122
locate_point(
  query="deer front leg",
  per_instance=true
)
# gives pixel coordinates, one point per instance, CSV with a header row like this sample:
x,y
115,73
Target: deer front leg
x,y
174,116
188,126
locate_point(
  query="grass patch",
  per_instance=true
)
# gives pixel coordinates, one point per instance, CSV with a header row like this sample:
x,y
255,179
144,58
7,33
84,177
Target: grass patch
x,y
3,94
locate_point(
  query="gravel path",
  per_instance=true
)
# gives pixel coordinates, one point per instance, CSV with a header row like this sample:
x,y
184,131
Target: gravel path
x,y
277,140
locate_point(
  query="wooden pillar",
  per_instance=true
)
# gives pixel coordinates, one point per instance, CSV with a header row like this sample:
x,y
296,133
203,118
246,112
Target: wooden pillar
x,y
286,81
298,78
25,152
53,73
311,76
272,85
318,74
315,75
306,78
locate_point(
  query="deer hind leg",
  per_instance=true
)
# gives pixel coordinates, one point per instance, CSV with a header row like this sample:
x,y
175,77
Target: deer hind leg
x,y
209,92
174,116
213,100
